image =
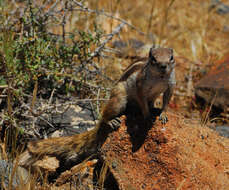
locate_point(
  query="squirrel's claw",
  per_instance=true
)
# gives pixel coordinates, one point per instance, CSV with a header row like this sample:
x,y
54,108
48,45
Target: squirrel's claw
x,y
163,118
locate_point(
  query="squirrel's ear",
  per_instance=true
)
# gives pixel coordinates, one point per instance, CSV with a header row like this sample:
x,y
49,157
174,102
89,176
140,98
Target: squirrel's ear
x,y
150,52
171,50
151,56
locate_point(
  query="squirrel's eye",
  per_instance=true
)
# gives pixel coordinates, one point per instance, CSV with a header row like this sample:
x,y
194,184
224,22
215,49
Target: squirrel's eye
x,y
171,58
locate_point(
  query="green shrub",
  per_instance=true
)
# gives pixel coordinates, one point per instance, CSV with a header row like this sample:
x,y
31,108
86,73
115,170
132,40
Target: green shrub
x,y
34,61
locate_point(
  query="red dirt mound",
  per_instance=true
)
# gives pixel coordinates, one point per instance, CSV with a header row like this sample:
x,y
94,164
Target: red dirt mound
x,y
179,155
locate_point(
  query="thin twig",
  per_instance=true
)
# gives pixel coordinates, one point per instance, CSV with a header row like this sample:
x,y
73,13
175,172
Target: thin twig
x,y
210,108
46,121
51,9
64,21
3,86
93,112
110,36
190,82
50,99
97,102
101,47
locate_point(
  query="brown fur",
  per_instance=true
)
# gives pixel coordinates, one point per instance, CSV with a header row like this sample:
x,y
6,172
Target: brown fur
x,y
142,82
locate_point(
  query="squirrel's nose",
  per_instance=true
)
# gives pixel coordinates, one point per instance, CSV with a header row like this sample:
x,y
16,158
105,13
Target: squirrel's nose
x,y
163,66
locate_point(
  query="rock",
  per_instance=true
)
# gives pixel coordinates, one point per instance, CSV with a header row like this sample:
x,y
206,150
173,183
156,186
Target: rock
x,y
7,170
48,164
57,133
79,118
220,7
178,155
223,130
214,87
24,159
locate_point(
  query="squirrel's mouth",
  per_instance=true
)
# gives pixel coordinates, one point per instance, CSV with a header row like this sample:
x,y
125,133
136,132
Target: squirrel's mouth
x,y
163,72
162,75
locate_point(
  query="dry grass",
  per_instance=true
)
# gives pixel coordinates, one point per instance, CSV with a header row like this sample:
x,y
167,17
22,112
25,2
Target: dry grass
x,y
189,27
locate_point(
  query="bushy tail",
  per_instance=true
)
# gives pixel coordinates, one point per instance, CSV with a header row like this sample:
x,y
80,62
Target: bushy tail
x,y
76,146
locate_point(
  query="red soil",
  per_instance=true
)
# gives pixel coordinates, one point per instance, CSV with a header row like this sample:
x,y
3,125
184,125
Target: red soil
x,y
179,155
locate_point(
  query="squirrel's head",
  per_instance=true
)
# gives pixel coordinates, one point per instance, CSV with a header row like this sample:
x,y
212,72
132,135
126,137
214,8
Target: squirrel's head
x,y
162,58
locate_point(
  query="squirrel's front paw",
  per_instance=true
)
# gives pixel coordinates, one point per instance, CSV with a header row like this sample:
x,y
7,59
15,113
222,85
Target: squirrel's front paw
x,y
115,123
163,118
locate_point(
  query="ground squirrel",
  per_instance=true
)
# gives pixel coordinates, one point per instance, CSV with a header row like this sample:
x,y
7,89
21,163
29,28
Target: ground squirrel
x,y
141,82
